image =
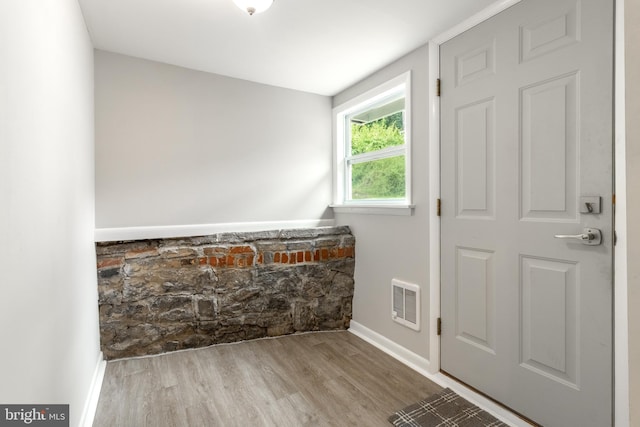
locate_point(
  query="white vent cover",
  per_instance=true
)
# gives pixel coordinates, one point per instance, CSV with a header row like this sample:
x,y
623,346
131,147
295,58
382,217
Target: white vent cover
x,y
405,300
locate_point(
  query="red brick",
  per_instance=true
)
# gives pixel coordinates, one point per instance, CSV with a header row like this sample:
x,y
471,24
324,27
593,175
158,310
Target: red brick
x,y
241,250
213,261
350,251
300,257
110,262
307,256
341,252
230,260
276,257
241,262
285,258
261,258
324,254
317,255
333,253
202,260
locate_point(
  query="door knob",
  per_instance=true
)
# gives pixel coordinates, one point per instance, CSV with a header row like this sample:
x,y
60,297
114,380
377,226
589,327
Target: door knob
x,y
589,236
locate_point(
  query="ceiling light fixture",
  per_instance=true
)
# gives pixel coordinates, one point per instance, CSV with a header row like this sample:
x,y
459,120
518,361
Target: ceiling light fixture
x,y
253,6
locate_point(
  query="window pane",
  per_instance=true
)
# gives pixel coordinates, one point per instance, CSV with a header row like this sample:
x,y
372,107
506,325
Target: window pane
x,y
378,179
383,132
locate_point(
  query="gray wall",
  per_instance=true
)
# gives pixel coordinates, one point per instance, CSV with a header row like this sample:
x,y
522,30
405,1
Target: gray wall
x,y
48,310
182,147
390,247
632,58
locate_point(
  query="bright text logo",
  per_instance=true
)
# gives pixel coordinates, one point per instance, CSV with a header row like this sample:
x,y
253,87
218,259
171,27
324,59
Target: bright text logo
x,y
34,415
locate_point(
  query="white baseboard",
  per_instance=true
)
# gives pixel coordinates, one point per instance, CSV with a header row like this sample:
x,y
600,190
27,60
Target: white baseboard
x,y
409,358
421,365
91,403
169,231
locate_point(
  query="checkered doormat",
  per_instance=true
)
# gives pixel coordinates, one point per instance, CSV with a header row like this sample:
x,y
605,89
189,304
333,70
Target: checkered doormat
x,y
444,409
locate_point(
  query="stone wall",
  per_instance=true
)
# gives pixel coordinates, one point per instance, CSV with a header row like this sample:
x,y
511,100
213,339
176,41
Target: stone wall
x,y
169,294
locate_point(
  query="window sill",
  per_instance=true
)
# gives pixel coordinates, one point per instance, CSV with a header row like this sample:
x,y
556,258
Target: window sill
x,y
404,210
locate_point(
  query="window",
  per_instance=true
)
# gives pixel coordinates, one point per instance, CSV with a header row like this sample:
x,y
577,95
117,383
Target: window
x,y
372,157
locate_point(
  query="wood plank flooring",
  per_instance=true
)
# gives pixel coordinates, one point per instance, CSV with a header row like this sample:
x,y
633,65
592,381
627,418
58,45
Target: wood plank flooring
x,y
316,379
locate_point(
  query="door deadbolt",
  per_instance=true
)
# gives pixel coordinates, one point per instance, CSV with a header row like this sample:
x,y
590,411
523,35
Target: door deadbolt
x,y
590,205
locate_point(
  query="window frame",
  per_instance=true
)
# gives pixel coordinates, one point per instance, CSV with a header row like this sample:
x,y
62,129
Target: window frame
x,y
343,157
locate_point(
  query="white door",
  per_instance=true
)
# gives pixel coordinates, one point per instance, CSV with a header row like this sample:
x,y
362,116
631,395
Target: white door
x,y
526,146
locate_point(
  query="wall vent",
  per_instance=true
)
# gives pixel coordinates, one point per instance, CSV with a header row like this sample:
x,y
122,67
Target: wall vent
x,y
405,303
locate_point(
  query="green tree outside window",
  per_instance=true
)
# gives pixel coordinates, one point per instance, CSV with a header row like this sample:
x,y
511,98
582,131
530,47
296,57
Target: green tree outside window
x,y
378,179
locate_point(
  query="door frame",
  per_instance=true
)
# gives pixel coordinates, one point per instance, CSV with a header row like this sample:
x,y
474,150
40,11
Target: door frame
x,y
620,332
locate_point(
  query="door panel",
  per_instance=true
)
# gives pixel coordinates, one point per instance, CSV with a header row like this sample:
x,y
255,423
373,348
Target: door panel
x,y
549,318
475,291
557,29
474,145
549,149
526,133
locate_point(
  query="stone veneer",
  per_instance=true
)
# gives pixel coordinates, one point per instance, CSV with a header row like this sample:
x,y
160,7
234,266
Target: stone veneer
x,y
162,295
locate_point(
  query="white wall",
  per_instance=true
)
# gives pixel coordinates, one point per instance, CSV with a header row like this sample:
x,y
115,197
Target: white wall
x,y
178,147
632,59
48,296
390,247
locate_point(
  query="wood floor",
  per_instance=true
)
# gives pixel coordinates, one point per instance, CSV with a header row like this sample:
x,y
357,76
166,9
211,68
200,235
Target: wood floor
x,y
317,379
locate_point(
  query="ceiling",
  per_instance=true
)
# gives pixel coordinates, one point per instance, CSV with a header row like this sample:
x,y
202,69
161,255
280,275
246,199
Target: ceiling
x,y
318,46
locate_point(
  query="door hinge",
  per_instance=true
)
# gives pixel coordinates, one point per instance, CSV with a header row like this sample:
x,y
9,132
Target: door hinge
x,y
438,90
439,207
439,325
